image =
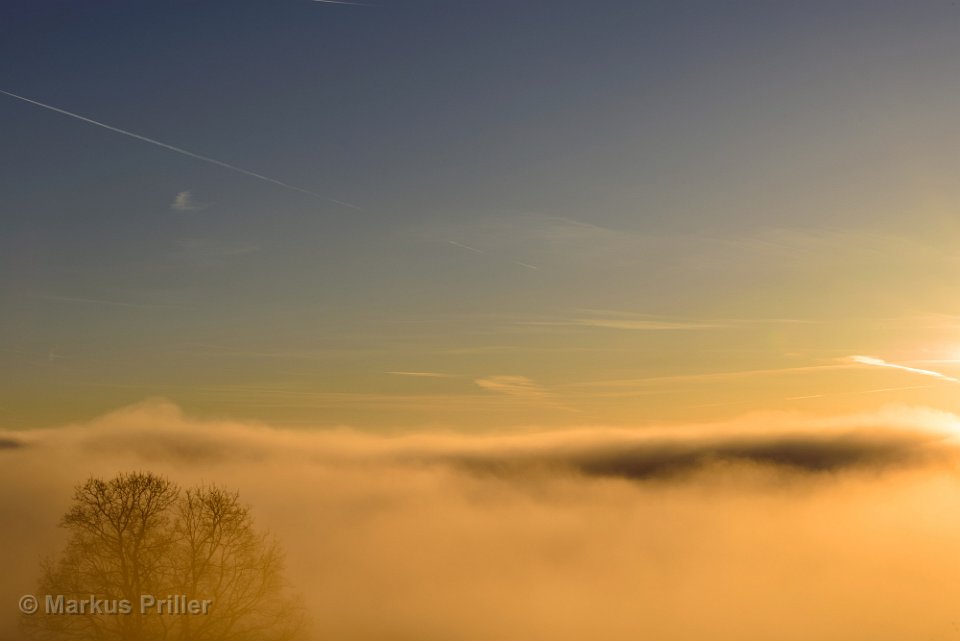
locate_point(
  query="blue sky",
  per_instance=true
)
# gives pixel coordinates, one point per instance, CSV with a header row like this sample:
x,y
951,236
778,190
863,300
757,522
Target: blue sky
x,y
518,167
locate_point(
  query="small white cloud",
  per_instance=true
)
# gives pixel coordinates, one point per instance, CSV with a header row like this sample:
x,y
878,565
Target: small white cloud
x,y
185,202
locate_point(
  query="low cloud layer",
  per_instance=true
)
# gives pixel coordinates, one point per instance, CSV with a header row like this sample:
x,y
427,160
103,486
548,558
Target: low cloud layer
x,y
784,526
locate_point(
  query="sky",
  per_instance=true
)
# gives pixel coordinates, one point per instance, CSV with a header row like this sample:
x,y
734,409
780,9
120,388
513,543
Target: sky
x,y
407,214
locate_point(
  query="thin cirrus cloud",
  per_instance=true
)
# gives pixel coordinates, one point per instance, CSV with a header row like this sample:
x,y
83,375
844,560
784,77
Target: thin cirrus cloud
x,y
422,374
602,319
519,387
643,325
711,376
628,324
872,361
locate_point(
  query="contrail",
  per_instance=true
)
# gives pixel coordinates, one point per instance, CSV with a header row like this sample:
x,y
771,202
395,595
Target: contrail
x,y
455,243
480,251
879,362
183,152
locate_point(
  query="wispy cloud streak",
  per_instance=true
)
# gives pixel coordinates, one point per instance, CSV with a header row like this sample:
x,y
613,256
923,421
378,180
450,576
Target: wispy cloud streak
x,y
422,374
467,247
879,362
519,387
181,151
606,319
708,376
626,324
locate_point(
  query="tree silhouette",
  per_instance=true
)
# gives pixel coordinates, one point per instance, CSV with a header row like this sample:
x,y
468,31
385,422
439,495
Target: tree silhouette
x,y
141,535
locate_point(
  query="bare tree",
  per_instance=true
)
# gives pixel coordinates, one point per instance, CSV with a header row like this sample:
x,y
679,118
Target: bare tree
x,y
140,535
224,559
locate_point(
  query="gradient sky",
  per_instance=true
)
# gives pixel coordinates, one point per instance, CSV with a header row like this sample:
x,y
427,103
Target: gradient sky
x,y
564,213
